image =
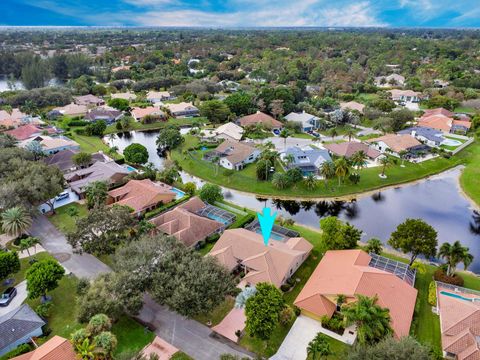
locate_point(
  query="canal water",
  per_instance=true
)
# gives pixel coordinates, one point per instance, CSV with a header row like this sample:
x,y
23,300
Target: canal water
x,y
437,200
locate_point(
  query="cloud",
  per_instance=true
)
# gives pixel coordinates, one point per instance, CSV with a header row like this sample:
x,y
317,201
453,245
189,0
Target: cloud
x,y
359,14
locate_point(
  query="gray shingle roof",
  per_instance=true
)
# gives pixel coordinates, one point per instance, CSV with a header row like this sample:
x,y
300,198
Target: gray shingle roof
x,y
427,133
308,157
18,323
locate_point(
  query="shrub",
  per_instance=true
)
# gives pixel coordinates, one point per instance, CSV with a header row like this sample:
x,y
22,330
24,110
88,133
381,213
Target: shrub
x,y
212,238
77,123
99,323
285,287
440,275
335,323
21,349
79,131
297,310
432,293
43,310
287,315
291,281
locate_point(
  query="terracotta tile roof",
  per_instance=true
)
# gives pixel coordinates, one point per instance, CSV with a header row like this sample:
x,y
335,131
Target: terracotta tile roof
x,y
270,263
139,113
161,348
397,94
72,109
348,149
348,272
352,105
88,99
15,115
181,107
142,194
24,132
464,123
459,322
57,348
185,225
119,68
397,142
438,111
234,151
125,96
259,117
235,320
438,122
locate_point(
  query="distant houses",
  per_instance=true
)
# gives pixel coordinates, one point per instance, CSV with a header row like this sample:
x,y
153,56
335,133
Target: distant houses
x,y
405,96
183,109
51,145
88,100
72,110
64,160
307,159
352,105
261,118
233,155
391,80
105,114
140,113
157,97
307,121
445,121
228,131
426,135
124,95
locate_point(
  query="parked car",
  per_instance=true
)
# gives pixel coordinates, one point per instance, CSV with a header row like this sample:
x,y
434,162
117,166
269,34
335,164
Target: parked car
x,y
62,195
8,296
276,132
317,135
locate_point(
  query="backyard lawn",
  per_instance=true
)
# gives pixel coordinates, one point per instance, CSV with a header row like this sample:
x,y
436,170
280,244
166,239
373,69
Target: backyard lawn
x,y
63,221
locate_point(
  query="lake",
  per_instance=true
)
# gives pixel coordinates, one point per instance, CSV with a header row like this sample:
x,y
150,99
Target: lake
x,y
437,200
18,85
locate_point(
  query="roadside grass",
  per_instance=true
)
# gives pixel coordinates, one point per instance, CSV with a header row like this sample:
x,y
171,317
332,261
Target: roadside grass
x,y
19,276
180,356
63,221
217,315
131,335
302,136
246,181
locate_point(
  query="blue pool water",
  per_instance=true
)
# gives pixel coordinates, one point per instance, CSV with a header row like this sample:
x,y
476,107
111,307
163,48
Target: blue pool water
x,y
273,236
130,168
180,193
456,296
218,218
203,148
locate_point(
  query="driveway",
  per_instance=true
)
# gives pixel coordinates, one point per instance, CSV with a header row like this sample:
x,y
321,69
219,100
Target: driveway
x,y
83,266
188,335
17,300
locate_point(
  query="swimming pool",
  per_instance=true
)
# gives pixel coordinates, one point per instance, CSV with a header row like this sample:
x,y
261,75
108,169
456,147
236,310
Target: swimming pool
x,y
456,296
218,218
130,168
273,235
451,142
179,193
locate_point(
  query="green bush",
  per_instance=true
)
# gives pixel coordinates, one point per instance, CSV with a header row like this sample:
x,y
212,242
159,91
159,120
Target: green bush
x,y
78,123
335,323
432,293
43,310
440,275
285,287
79,131
21,349
212,238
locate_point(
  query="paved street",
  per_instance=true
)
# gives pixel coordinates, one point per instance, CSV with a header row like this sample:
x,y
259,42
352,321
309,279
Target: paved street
x,y
188,335
83,266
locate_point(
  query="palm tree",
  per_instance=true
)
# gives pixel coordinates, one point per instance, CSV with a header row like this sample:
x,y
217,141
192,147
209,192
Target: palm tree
x,y
342,168
359,159
267,145
374,246
26,244
340,299
85,350
15,221
333,132
310,182
402,155
216,161
289,159
385,162
455,254
350,133
319,347
113,150
284,134
327,170
371,320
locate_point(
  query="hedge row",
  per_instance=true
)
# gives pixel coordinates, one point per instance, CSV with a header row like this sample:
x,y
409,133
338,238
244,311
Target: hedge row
x,y
432,293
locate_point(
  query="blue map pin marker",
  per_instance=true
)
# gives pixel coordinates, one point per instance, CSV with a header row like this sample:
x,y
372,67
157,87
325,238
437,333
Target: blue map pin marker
x,y
266,223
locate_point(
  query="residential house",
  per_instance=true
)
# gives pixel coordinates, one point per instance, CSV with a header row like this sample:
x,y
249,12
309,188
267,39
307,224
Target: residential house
x,y
18,326
259,118
459,310
350,148
307,121
156,97
141,195
25,132
107,115
438,111
139,113
88,100
245,250
125,95
233,155
63,160
228,131
354,272
51,145
186,224
439,83
12,120
352,105
183,109
120,68
72,110
311,89
426,135
110,172
229,85
445,121
405,96
396,144
307,159
390,80
57,348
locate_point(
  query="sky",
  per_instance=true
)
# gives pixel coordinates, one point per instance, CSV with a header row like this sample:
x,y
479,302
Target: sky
x,y
242,13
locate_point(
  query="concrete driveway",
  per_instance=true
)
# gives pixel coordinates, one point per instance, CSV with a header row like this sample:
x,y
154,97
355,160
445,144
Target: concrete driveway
x,y
188,335
83,266
17,300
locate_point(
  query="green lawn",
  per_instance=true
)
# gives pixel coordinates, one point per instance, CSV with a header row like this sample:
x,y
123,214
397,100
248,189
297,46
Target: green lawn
x,y
302,136
64,222
131,336
470,178
217,315
245,180
180,356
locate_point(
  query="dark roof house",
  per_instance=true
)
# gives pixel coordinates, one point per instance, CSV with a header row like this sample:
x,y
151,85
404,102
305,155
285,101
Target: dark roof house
x,y
348,149
308,159
63,160
107,115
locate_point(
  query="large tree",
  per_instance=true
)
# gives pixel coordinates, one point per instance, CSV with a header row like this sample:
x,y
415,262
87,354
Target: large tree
x,y
416,237
15,221
82,159
211,193
43,276
337,235
9,263
263,310
371,320
102,230
454,254
392,349
241,103
215,111
96,193
136,154
169,138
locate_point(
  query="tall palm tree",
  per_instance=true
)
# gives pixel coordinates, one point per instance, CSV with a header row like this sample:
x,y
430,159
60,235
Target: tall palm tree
x,y
289,159
372,321
327,170
342,168
374,245
402,155
26,244
359,159
284,134
455,254
350,133
15,221
340,299
216,161
385,162
333,132
310,182
319,347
